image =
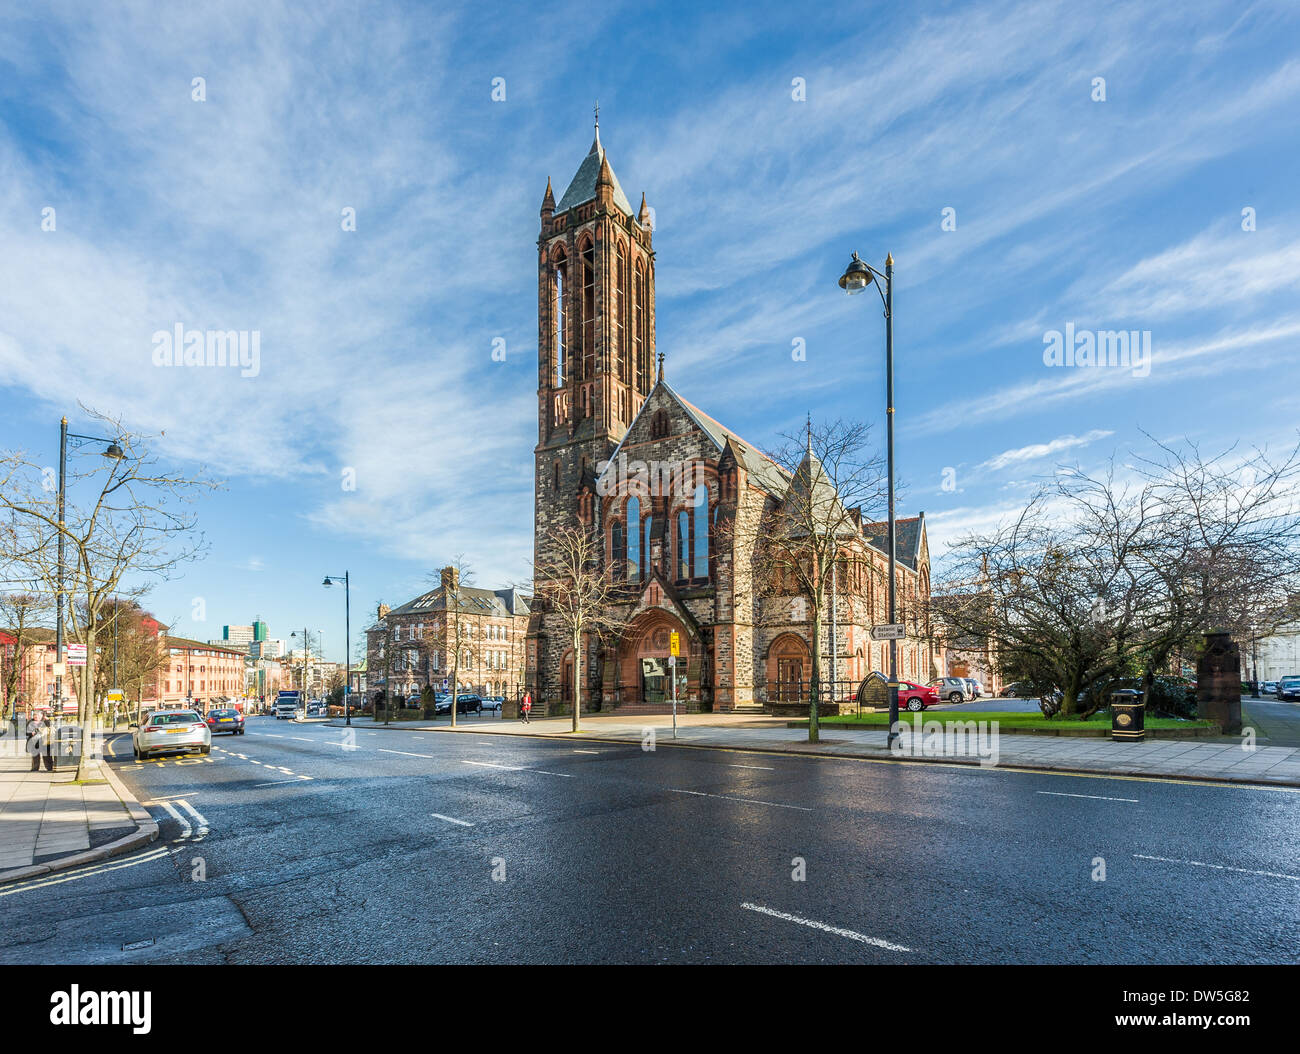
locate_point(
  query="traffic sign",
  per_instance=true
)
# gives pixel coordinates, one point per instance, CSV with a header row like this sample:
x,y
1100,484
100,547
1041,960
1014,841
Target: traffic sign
x,y
893,632
76,654
672,662
674,644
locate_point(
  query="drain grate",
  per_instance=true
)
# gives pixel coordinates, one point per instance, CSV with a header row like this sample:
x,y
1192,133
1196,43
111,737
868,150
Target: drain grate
x,y
134,945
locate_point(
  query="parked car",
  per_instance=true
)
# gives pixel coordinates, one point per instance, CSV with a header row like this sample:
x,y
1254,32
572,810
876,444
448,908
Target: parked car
x,y
171,732
1289,687
494,702
231,721
954,689
1018,690
916,697
469,704
1269,688
316,708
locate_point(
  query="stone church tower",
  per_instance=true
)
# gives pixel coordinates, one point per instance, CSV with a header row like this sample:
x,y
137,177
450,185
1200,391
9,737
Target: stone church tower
x,y
595,333
667,490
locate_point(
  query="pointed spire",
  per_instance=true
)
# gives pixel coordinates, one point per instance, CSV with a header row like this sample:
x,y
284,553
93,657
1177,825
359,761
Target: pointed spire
x,y
548,201
809,426
606,177
596,148
643,217
661,365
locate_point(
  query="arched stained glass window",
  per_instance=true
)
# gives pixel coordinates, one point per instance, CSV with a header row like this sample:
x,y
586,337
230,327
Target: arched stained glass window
x,y
647,530
683,544
618,538
701,569
634,539
560,364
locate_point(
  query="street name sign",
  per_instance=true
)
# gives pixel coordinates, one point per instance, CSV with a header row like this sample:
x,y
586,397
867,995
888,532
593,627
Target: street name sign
x,y
76,654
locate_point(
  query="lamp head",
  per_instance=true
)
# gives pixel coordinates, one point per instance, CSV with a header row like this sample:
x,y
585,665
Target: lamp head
x,y
856,277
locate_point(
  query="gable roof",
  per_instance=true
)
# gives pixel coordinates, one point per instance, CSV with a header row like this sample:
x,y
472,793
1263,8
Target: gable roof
x,y
582,188
908,529
763,471
496,603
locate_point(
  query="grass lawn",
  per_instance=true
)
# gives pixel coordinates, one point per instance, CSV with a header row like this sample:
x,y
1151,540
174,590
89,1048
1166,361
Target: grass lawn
x,y
1007,721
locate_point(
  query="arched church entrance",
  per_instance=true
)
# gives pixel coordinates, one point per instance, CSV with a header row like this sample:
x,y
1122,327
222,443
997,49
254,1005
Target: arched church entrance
x,y
789,666
643,653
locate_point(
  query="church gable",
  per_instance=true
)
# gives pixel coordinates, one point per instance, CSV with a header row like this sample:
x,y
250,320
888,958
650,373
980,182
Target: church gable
x,y
664,437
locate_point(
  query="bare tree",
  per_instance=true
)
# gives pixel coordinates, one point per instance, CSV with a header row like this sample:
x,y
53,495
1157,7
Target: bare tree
x,y
452,635
126,521
1113,574
572,584
21,616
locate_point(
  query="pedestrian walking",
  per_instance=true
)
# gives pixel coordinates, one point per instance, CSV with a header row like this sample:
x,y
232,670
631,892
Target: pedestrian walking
x,y
527,706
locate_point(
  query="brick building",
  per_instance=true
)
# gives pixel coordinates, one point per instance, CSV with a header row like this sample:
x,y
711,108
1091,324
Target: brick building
x,y
621,451
410,643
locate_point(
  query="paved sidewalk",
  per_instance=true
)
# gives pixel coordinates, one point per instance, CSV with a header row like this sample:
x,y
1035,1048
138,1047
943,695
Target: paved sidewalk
x,y
49,822
1217,760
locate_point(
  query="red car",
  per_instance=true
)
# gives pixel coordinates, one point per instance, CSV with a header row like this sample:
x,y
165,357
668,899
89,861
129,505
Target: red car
x,y
916,697
231,721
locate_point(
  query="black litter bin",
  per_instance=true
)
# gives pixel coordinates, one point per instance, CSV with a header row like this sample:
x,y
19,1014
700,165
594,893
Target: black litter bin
x,y
65,747
1127,716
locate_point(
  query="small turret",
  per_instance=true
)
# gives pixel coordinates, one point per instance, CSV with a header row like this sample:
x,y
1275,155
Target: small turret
x,y
644,217
548,202
605,182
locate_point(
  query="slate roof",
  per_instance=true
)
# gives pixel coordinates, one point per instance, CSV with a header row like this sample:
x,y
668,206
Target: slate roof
x,y
497,603
582,188
773,479
908,541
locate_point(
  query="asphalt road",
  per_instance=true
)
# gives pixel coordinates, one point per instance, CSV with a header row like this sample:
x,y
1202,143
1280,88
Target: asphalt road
x,y
300,846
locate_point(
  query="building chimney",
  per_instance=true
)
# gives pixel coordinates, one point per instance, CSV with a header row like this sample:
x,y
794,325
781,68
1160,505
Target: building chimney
x,y
450,580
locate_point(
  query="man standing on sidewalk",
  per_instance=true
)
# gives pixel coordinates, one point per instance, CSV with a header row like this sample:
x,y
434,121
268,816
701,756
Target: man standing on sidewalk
x,y
38,743
527,706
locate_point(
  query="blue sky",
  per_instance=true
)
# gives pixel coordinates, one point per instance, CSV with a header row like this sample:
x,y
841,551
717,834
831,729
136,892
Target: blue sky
x,y
376,343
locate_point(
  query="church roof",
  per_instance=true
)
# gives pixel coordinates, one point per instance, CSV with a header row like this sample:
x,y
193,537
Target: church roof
x,y
908,537
779,483
582,188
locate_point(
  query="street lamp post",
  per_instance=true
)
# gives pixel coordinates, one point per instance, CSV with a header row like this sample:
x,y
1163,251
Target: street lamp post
x,y
113,452
857,276
347,642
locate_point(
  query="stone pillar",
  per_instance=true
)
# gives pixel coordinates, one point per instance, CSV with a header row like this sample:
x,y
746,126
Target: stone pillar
x,y
1218,683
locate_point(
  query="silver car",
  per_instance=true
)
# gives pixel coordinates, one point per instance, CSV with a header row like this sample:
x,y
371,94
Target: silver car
x,y
954,689
171,732
976,689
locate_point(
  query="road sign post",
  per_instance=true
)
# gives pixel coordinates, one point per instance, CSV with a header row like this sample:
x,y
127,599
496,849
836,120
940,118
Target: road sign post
x,y
674,649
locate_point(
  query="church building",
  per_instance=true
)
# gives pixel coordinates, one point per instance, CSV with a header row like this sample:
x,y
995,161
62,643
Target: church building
x,y
622,453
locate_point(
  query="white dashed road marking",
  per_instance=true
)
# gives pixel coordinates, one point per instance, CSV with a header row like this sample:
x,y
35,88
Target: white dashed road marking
x,y
862,938
490,765
198,816
186,829
760,768
404,753
1219,867
1094,797
450,819
747,801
